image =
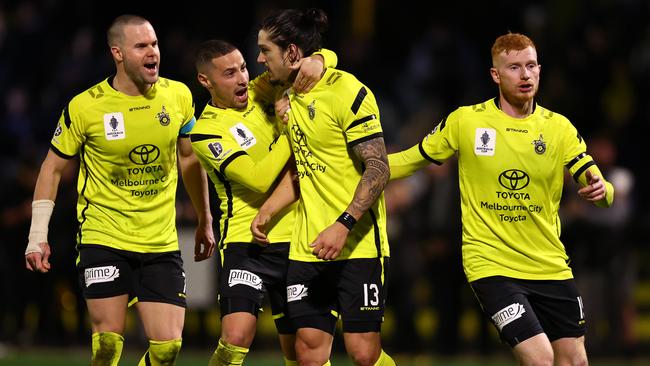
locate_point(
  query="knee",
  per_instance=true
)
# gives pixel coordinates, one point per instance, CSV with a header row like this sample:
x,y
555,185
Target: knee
x,y
106,348
364,357
237,338
164,352
309,355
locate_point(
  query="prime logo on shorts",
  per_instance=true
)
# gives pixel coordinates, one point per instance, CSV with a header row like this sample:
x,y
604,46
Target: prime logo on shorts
x,y
508,314
243,277
296,292
100,274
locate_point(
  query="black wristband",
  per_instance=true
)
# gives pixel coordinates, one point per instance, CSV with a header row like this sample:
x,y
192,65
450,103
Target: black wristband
x,y
347,220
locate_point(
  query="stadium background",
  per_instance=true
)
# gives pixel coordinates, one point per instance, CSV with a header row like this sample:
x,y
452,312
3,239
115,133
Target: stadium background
x,y
422,61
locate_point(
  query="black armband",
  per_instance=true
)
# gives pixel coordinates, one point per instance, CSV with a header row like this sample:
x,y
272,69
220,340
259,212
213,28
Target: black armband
x,y
347,220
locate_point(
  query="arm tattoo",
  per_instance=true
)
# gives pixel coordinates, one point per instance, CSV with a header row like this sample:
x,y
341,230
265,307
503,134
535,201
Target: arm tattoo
x,y
375,176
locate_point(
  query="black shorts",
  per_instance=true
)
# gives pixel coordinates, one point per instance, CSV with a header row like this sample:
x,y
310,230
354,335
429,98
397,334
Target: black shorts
x,y
354,289
520,309
107,272
247,271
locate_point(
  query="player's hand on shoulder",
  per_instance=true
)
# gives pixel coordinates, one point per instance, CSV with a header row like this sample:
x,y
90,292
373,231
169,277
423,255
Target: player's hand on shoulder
x,y
283,108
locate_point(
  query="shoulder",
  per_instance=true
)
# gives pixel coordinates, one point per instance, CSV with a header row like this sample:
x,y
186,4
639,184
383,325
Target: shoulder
x,y
174,86
214,121
552,116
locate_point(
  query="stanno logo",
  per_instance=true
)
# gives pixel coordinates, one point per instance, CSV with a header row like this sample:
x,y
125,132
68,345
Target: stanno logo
x,y
139,108
100,274
144,154
514,179
507,315
509,129
296,292
243,277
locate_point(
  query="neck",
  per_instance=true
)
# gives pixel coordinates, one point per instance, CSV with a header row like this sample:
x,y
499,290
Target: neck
x,y
126,85
516,109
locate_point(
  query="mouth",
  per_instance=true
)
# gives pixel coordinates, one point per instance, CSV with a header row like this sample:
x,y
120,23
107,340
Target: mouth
x,y
152,68
525,88
241,94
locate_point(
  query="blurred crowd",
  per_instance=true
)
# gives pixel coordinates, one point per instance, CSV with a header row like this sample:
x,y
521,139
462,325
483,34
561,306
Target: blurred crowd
x,y
421,64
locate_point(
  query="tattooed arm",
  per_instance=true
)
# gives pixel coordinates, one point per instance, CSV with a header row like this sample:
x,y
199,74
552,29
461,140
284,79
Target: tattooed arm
x,y
372,153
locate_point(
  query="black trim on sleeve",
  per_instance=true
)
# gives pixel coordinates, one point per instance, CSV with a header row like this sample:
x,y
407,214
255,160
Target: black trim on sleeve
x,y
361,95
361,120
443,123
576,175
222,168
195,137
575,160
365,138
66,117
59,153
426,156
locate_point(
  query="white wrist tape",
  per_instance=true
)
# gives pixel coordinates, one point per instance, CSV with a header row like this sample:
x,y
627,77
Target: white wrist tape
x,y
41,213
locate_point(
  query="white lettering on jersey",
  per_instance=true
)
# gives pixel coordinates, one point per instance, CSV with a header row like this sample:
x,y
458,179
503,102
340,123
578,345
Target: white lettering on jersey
x,y
508,314
243,277
114,126
243,135
296,292
485,141
100,274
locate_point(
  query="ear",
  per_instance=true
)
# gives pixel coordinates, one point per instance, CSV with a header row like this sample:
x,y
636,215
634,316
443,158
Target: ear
x,y
203,80
495,75
117,53
293,53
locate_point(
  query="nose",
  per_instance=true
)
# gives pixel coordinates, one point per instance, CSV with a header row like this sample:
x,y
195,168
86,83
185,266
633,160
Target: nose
x,y
525,73
260,58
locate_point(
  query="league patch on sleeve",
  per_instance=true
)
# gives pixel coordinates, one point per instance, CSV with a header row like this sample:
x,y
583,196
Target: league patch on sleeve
x,y
215,148
243,136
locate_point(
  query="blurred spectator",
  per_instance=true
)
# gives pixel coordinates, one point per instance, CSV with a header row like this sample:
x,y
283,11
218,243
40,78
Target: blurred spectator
x,y
604,256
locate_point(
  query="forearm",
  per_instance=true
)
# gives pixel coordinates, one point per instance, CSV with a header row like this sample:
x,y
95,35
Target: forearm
x,y
374,177
196,186
284,194
405,163
259,176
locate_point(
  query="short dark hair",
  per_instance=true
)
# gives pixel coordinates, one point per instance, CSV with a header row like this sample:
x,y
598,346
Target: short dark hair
x,y
209,50
302,28
115,34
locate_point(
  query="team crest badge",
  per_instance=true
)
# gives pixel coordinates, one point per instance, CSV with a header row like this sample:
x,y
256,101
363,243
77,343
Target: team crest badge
x,y
540,145
312,109
163,117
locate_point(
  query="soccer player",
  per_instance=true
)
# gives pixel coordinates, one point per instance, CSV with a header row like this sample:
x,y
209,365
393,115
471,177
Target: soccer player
x,y
127,131
511,158
241,147
339,250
